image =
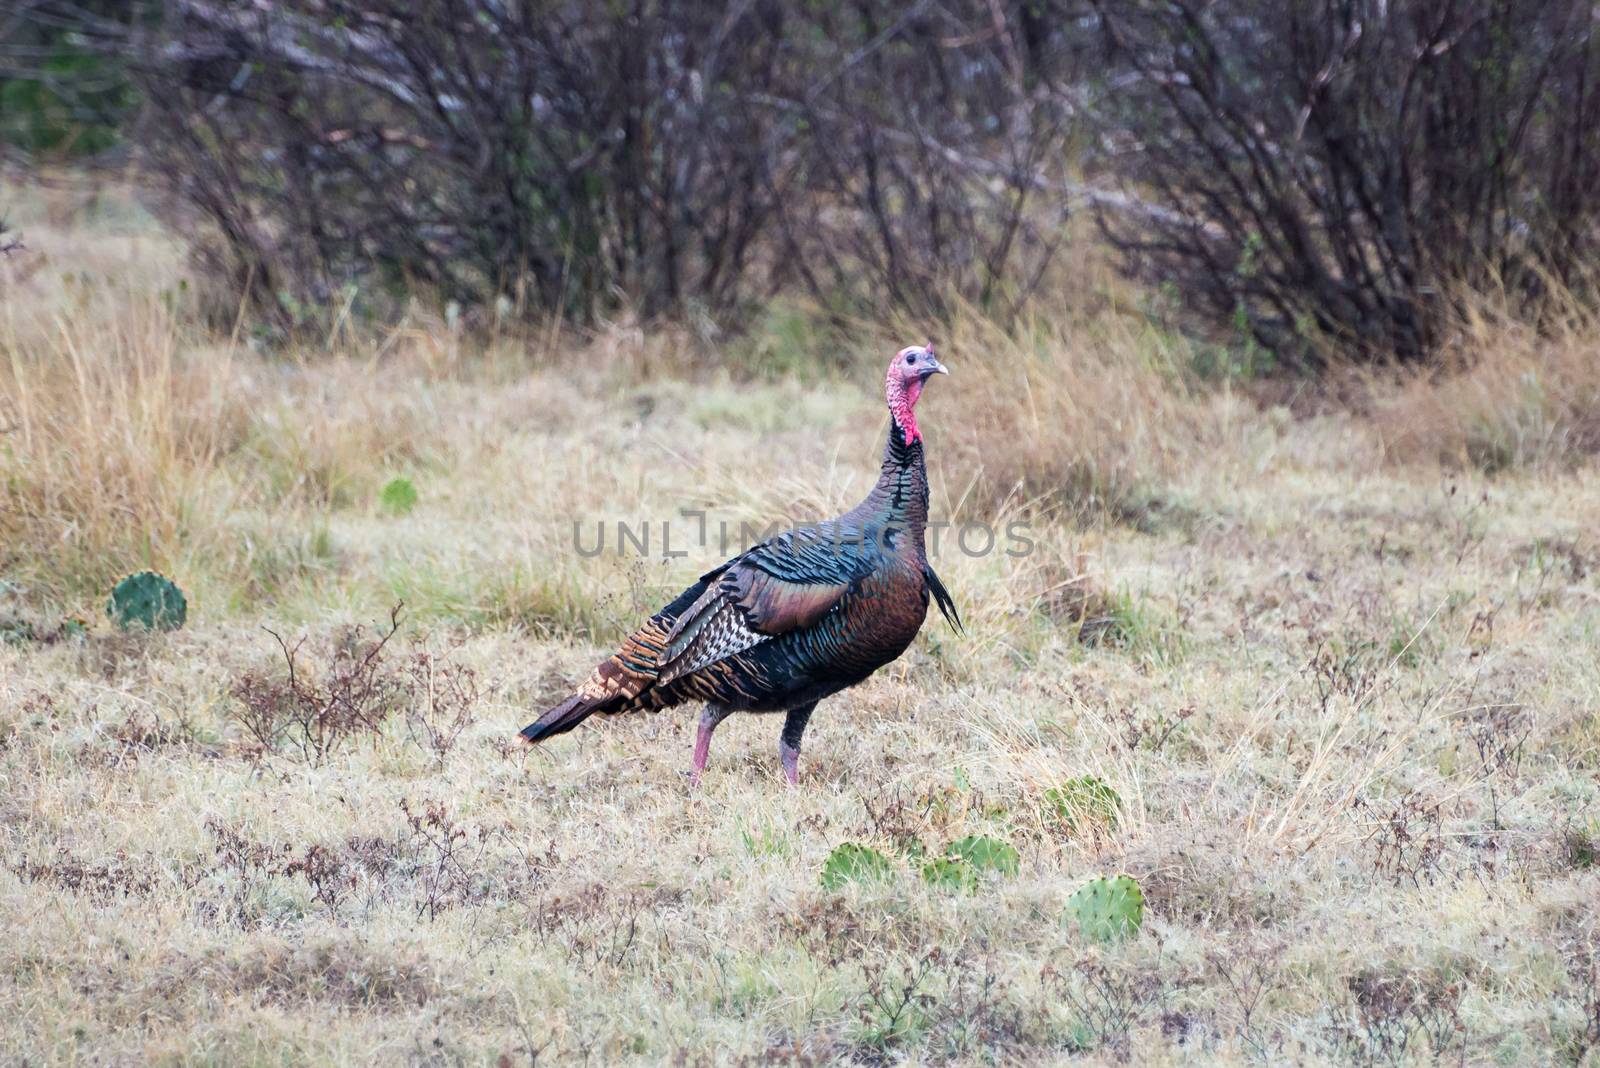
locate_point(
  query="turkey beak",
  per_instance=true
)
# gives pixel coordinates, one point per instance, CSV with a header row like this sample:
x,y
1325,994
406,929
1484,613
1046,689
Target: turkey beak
x,y
939,368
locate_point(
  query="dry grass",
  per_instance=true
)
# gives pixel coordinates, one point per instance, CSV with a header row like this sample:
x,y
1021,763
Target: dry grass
x,y
1515,395
1340,681
1085,416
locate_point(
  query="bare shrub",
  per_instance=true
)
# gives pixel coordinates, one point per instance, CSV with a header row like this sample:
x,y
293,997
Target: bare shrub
x,y
894,1007
1349,670
449,862
1139,730
354,695
612,938
440,702
1105,1002
1498,736
542,152
329,876
445,859
355,691
436,862
1397,1019
1247,972
1406,838
926,151
829,928
553,157
979,1014
141,734
250,864
120,876
1583,969
1333,173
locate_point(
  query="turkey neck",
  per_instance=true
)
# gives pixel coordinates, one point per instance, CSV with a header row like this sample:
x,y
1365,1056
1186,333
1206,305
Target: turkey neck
x,y
898,504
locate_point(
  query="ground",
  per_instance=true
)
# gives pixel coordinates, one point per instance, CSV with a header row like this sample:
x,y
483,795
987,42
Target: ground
x,y
1321,677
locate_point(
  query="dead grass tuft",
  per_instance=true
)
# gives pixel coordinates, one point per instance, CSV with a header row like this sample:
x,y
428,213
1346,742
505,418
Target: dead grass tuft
x,y
1512,395
322,971
1087,418
119,876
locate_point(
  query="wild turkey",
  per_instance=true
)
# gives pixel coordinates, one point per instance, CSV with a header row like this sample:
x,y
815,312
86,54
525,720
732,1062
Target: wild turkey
x,y
794,619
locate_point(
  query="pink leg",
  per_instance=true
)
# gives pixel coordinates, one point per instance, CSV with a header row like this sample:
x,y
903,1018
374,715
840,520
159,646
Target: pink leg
x,y
789,757
794,726
713,715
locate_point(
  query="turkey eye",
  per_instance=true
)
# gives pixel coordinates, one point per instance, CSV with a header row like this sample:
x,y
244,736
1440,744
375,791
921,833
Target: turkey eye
x,y
910,358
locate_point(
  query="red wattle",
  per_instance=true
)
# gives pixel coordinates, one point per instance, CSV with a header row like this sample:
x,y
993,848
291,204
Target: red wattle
x,y
902,397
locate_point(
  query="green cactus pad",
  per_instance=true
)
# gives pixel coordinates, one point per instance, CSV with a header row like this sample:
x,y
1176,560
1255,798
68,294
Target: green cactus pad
x,y
948,874
855,863
966,859
147,600
399,496
985,854
1107,909
1084,803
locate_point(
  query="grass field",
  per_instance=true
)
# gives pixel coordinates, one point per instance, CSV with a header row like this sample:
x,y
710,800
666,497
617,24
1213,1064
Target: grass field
x,y
1319,674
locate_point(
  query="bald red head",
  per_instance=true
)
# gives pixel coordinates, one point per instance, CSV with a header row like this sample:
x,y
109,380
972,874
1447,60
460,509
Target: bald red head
x,y
910,368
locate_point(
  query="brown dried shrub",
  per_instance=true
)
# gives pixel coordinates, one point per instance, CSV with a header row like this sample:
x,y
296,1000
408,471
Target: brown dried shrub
x,y
317,713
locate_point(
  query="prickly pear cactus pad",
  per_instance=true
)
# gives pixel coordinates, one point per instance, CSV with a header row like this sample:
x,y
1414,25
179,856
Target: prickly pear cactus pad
x,y
985,854
1107,909
148,600
852,863
948,874
399,496
1083,804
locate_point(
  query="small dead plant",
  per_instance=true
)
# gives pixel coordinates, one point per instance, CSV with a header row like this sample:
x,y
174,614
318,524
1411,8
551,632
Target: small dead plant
x,y
1398,1019
1406,838
317,713
441,699
1105,1003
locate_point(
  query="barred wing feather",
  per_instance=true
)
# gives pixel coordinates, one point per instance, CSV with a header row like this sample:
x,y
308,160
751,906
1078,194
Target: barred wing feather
x,y
783,585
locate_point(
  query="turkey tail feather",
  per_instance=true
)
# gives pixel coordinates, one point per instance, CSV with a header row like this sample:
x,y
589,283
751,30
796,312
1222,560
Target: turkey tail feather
x,y
947,604
618,681
562,718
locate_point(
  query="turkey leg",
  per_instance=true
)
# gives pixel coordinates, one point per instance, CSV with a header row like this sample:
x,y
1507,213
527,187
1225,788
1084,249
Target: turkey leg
x,y
794,725
713,715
